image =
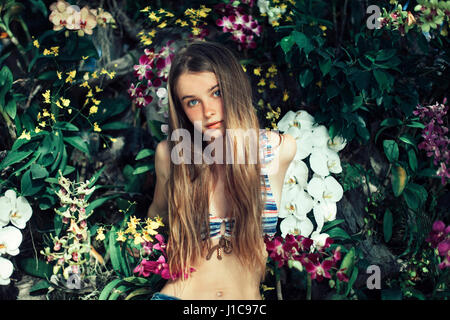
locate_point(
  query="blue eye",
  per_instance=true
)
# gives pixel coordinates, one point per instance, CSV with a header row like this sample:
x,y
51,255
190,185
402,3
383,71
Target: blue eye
x,y
218,93
191,105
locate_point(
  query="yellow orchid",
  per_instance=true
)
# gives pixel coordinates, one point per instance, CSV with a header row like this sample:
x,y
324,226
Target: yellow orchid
x,y
65,102
25,135
93,110
138,238
46,96
120,236
257,71
96,127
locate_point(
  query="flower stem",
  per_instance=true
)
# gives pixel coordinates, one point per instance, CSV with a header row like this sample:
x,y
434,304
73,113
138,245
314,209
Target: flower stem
x,y
279,293
308,287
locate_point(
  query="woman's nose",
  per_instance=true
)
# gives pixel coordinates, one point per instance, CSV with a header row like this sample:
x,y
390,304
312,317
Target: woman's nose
x,y
209,109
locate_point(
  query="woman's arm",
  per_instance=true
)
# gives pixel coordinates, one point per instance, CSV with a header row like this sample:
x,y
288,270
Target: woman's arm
x,y
159,206
285,146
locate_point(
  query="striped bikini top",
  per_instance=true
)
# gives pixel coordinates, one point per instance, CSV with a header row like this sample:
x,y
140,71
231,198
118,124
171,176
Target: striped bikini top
x,y
270,212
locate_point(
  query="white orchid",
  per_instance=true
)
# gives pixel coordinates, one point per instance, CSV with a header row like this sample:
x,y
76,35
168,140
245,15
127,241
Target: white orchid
x,y
337,143
292,225
296,174
14,209
297,202
322,192
10,240
319,239
287,121
6,270
327,189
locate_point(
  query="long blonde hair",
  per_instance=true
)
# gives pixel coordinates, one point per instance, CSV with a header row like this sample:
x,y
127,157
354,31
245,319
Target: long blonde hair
x,y
189,183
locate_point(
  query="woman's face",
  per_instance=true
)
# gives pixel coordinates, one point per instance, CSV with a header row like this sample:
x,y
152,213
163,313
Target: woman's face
x,y
201,100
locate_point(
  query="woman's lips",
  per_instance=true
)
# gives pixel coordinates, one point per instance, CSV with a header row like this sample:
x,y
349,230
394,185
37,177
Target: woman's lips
x,y
214,125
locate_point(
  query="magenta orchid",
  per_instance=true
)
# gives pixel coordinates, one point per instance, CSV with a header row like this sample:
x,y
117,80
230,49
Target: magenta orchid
x,y
435,135
243,27
152,72
315,259
439,238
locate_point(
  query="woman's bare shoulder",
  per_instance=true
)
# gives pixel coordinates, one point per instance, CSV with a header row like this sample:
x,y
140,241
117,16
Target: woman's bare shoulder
x,y
162,159
285,145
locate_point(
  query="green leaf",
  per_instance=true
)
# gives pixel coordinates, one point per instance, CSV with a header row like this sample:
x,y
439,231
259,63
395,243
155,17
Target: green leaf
x,y
412,159
98,202
331,224
384,79
286,44
95,177
6,80
29,187
415,195
408,140
14,157
325,66
387,225
415,124
411,200
338,233
117,260
347,264
38,171
139,292
351,281
143,169
41,285
108,288
36,267
385,54
77,143
398,180
11,108
332,91
115,126
305,78
391,122
144,154
67,126
118,291
48,75
302,42
391,150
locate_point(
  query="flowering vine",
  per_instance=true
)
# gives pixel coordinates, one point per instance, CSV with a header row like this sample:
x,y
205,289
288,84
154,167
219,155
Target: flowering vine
x,y
439,238
71,17
435,135
243,27
70,248
152,72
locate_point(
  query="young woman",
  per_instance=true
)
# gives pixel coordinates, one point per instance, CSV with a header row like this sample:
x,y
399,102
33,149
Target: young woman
x,y
217,213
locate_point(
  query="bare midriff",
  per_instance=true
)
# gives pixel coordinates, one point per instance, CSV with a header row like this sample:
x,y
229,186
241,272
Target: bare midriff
x,y
216,279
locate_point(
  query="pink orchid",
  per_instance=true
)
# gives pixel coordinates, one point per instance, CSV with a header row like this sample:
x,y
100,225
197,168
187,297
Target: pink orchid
x,y
227,23
276,251
341,275
438,233
319,270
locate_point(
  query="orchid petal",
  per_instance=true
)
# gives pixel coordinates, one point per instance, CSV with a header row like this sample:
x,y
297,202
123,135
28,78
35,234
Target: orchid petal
x,y
318,162
10,240
6,270
287,121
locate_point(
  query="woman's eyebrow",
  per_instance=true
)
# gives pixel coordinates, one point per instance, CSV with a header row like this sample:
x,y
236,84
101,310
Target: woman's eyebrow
x,y
212,88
